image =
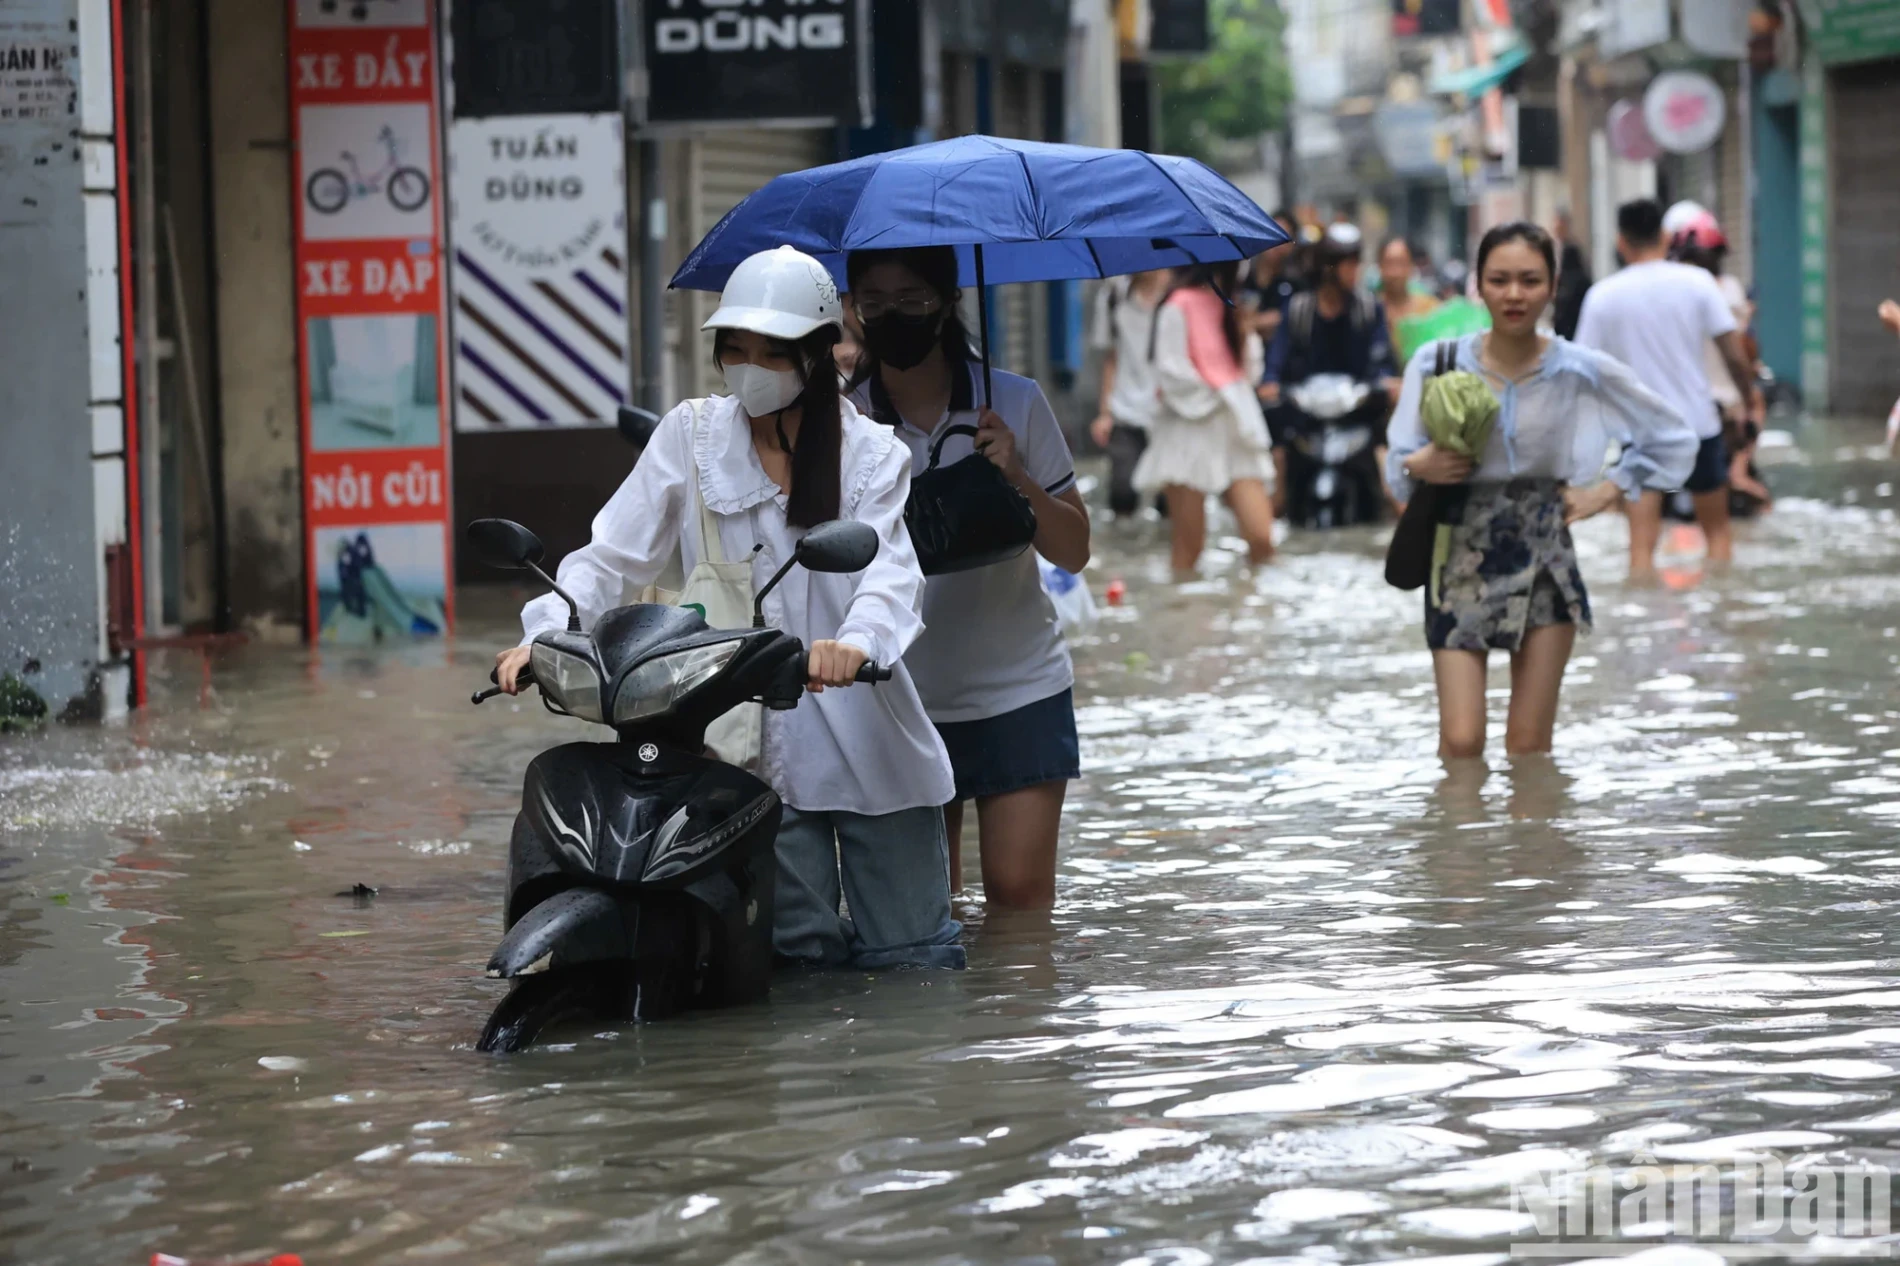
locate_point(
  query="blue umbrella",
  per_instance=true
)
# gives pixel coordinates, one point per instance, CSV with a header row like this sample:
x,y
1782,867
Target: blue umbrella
x,y
1014,211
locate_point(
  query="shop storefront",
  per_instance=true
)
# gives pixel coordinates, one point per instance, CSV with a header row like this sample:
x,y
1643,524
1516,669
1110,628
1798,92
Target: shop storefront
x,y
1850,202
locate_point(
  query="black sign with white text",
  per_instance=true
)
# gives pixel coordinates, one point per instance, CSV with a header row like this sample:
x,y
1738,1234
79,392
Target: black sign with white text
x,y
535,57
742,61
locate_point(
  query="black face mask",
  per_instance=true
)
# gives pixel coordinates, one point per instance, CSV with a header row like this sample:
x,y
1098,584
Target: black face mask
x,y
902,342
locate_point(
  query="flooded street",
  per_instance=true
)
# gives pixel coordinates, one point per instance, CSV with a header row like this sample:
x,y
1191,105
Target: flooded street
x,y
1306,997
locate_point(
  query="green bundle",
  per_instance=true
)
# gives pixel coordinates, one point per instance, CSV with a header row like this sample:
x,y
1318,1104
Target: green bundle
x,y
1457,412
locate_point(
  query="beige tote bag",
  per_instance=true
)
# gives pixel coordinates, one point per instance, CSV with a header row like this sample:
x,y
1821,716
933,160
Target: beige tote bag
x,y
722,592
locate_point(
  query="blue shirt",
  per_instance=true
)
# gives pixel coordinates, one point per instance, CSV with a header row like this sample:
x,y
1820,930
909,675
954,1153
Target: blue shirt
x,y
1558,422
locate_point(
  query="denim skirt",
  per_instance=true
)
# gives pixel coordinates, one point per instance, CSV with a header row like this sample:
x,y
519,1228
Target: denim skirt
x,y
1032,745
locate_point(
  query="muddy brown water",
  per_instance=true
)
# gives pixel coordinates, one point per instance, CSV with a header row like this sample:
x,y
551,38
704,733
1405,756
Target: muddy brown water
x,y
1307,997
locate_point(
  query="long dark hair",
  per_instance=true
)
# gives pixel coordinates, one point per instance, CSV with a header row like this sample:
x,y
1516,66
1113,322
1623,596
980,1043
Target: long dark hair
x,y
1706,257
817,481
1219,278
1524,231
936,267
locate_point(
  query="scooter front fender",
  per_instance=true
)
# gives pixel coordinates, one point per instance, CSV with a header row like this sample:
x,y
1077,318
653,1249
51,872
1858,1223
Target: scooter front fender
x,y
580,925
632,813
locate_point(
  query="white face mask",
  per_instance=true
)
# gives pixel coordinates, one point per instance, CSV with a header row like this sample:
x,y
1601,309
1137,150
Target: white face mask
x,y
761,391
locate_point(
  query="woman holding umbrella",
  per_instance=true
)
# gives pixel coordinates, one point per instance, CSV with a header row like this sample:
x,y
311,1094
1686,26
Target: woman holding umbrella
x,y
902,229
991,664
1507,578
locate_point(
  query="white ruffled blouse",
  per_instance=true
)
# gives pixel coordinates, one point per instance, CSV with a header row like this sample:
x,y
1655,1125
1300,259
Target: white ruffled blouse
x,y
860,749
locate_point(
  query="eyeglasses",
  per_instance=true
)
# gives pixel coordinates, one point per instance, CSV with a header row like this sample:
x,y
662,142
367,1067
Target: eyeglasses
x,y
905,305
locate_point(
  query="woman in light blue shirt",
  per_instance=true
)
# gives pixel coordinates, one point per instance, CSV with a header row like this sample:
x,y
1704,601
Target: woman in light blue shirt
x,y
1510,580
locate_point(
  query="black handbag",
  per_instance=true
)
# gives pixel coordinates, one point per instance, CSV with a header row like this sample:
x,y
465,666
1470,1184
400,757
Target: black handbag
x,y
966,515
1408,559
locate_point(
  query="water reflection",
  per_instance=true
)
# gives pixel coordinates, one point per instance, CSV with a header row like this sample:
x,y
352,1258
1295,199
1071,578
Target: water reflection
x,y
1310,994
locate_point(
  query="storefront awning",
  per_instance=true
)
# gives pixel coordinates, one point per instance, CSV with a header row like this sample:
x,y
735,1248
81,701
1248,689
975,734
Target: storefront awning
x,y
1475,81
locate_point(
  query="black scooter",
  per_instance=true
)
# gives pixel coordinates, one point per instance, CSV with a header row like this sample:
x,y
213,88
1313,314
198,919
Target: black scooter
x,y
1331,426
641,871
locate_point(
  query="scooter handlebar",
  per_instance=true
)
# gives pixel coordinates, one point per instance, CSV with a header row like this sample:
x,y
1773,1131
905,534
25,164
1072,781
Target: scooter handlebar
x,y
524,680
869,672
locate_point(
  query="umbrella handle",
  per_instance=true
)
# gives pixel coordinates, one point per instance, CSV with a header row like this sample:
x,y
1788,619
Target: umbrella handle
x,y
983,318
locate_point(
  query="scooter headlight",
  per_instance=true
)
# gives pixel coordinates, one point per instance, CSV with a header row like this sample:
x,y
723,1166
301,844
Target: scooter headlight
x,y
654,687
569,682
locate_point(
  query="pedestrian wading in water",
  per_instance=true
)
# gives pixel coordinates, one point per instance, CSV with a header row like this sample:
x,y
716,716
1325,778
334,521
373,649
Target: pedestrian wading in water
x,y
742,477
991,664
1209,437
1508,579
1658,316
1124,322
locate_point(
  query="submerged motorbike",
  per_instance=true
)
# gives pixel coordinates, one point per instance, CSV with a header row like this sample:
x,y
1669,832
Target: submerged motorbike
x,y
641,871
1330,425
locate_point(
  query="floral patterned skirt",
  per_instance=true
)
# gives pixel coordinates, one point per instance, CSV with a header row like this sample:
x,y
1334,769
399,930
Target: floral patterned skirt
x,y
1509,567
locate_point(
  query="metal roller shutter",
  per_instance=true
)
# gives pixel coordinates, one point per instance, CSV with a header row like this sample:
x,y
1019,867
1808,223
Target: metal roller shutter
x,y
1732,179
1017,115
1864,267
726,164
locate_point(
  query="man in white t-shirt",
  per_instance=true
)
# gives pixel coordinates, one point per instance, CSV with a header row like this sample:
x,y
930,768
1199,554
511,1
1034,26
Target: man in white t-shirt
x,y
1124,321
1656,315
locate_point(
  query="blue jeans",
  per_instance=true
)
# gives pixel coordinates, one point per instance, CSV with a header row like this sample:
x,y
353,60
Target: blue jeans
x,y
895,870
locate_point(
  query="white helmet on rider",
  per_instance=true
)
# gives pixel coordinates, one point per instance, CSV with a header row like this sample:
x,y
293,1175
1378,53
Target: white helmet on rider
x,y
1342,241
1682,215
782,293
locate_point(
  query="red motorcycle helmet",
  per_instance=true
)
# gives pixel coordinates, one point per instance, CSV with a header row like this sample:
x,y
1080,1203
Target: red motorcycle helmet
x,y
1699,231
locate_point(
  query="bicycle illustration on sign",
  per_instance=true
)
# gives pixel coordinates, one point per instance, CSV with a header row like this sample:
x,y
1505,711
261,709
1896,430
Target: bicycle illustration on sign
x,y
359,9
329,190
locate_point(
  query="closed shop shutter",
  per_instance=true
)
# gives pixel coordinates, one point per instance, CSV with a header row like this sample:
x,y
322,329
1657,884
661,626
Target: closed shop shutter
x,y
726,164
1863,265
1732,180
735,161
1017,115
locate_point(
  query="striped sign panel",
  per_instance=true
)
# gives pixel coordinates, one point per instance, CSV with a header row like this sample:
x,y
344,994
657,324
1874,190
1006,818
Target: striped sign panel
x,y
538,271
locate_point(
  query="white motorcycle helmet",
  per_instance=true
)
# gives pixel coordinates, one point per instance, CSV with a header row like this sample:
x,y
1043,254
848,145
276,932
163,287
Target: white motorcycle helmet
x,y
1682,215
782,293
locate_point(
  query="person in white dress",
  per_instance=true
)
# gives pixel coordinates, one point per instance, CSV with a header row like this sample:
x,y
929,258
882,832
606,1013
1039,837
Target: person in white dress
x,y
1208,436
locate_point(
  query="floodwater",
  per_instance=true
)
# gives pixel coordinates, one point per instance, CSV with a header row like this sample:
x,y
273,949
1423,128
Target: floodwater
x,y
1306,998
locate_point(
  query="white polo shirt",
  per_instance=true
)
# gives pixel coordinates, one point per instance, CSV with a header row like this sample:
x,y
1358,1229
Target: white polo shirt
x,y
991,642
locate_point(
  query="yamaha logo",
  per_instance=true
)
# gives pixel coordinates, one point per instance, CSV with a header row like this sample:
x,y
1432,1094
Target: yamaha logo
x,y
649,752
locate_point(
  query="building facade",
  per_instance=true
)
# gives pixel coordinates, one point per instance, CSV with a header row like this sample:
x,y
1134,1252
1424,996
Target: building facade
x,y
70,450
176,315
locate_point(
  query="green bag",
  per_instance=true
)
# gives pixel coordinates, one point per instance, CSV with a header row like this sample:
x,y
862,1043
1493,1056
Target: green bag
x,y
1457,412
1452,319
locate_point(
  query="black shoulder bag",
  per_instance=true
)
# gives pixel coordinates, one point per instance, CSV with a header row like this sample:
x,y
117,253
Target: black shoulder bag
x,y
966,515
1408,559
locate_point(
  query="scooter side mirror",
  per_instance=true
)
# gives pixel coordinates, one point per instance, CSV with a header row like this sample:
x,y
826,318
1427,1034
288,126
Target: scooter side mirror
x,y
841,546
504,543
637,425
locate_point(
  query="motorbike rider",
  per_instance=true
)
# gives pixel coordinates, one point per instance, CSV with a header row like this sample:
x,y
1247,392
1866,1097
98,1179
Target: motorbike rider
x,y
862,773
1335,328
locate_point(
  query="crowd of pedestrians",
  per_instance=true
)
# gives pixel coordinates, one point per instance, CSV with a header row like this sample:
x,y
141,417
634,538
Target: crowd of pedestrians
x,y
1284,386
1647,374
